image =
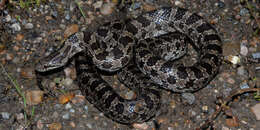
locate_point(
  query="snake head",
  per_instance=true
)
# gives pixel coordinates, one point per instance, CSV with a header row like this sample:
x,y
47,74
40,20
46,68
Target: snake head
x,y
57,59
50,62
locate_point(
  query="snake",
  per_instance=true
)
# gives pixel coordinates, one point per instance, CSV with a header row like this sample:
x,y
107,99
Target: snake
x,y
145,53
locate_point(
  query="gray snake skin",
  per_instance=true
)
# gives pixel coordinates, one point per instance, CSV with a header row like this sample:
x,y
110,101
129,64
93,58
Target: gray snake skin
x,y
145,52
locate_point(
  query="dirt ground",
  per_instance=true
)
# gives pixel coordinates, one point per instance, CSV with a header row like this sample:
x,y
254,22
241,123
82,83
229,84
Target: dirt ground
x,y
34,29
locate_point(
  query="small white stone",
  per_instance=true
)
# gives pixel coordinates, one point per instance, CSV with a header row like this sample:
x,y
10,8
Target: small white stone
x,y
225,128
8,18
234,59
28,26
19,116
107,9
98,4
243,50
5,115
66,116
178,3
89,125
16,27
72,110
67,82
68,106
170,128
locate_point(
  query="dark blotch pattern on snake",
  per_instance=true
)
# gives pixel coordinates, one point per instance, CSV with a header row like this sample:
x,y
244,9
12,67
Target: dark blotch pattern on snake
x,y
154,41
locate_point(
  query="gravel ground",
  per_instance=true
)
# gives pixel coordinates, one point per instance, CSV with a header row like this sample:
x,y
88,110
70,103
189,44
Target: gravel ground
x,y
29,31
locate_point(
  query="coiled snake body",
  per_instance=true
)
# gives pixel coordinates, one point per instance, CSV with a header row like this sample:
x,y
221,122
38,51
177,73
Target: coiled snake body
x,y
155,40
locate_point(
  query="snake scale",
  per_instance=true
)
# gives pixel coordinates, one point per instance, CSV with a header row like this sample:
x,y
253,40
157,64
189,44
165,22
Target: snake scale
x,y
154,41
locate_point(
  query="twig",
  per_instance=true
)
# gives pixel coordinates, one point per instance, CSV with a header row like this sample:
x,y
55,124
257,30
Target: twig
x,y
15,84
80,9
223,105
19,91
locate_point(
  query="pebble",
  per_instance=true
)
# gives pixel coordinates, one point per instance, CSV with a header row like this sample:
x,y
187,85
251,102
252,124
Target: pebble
x,y
72,7
89,125
55,115
16,27
130,95
8,18
189,97
39,124
67,82
170,128
220,4
68,106
86,108
256,110
57,106
107,9
172,104
256,55
143,126
193,113
37,40
135,6
71,73
242,71
231,80
98,4
13,20
198,117
226,92
244,12
62,26
233,59
72,110
243,50
225,128
66,116
178,3
67,16
72,124
205,109
19,116
9,56
5,115
238,17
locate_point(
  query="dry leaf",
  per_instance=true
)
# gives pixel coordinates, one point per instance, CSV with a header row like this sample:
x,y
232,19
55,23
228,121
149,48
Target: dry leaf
x,y
63,99
71,30
34,97
19,37
55,126
232,122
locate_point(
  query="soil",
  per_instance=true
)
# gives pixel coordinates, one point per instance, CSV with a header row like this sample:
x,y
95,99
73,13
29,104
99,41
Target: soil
x,y
31,31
